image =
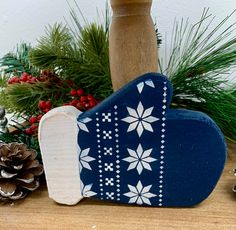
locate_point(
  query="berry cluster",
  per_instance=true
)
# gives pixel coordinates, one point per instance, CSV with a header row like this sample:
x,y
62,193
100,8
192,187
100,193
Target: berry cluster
x,y
33,124
24,78
44,107
79,100
77,96
82,101
46,75
49,76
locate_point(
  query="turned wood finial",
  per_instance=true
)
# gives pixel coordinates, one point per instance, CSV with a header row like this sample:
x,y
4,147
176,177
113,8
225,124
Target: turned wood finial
x,y
132,41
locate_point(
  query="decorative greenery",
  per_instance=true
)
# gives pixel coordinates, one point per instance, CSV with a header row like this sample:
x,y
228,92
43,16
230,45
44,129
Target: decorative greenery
x,y
83,59
24,98
201,58
79,54
18,135
199,67
17,63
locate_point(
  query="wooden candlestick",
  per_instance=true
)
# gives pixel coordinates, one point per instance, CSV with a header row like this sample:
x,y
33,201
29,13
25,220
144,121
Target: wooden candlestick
x,y
132,41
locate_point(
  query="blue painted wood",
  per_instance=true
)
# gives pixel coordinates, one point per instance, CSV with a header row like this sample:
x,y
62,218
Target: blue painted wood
x,y
134,149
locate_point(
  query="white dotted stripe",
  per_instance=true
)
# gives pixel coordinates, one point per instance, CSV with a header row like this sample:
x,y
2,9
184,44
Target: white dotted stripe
x,y
162,147
117,153
100,168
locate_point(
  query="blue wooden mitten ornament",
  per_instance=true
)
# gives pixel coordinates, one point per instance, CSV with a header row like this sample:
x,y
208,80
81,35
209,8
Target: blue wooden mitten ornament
x,y
133,149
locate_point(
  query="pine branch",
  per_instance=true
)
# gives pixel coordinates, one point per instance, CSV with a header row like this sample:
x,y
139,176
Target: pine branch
x,y
23,98
78,53
199,65
56,50
95,71
18,62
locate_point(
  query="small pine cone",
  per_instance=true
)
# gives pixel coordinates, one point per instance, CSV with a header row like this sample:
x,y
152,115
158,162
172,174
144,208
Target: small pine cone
x,y
19,171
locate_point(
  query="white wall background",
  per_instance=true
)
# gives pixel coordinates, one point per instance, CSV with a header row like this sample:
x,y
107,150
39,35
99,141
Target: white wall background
x,y
25,20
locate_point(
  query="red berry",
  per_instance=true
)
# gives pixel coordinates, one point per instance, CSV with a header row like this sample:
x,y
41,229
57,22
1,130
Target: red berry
x,y
92,103
73,92
80,92
79,105
23,78
10,81
83,98
46,110
39,117
48,104
32,120
87,105
33,79
33,127
90,97
42,105
74,102
29,131
83,103
14,79
24,74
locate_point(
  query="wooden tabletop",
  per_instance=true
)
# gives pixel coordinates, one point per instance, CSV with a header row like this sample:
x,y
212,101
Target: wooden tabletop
x,y
37,211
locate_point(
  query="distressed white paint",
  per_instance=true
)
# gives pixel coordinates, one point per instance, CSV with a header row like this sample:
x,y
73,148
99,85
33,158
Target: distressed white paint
x,y
25,20
58,143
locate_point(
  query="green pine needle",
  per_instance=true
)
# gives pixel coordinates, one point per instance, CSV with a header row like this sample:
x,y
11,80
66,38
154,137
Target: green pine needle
x,y
18,62
56,50
80,55
199,66
23,98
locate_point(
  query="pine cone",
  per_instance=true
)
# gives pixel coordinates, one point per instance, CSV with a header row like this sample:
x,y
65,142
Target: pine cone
x,y
19,171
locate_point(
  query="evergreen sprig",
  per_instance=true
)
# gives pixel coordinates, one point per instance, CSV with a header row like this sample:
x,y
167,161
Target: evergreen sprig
x,y
22,99
83,59
56,50
95,70
199,66
18,62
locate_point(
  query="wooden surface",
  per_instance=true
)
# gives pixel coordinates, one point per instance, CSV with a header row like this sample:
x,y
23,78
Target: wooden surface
x,y
132,41
39,212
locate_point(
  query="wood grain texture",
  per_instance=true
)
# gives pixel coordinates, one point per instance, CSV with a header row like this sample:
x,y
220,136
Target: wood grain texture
x,y
132,41
39,212
58,132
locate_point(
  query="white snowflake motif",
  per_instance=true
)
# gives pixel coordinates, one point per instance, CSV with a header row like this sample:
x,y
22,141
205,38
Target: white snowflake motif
x,y
82,124
86,190
139,194
141,85
139,159
84,159
140,119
